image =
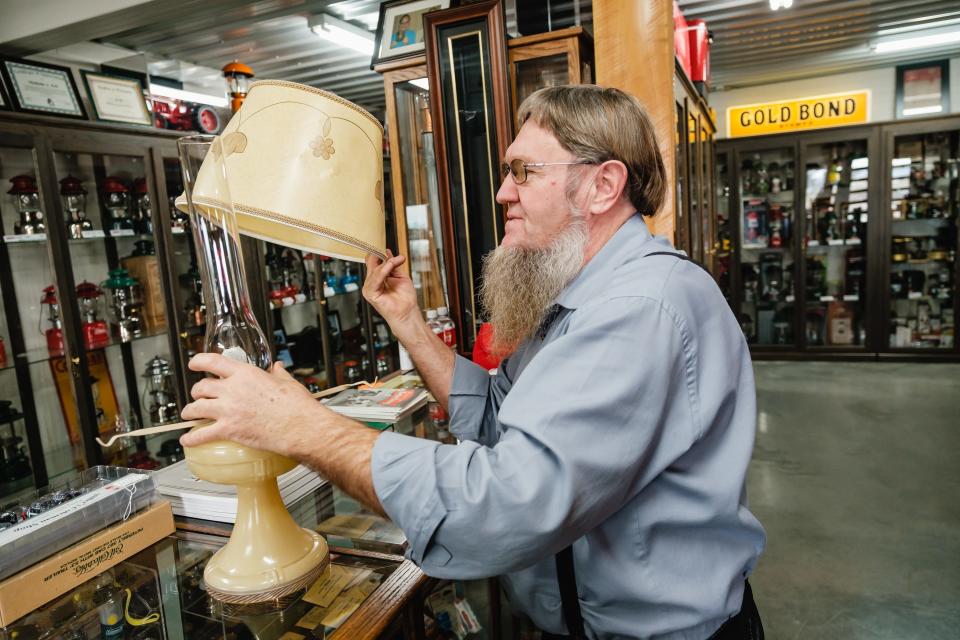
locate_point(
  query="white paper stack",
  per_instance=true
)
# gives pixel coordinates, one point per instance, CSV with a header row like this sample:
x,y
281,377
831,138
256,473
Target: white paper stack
x,y
194,498
383,405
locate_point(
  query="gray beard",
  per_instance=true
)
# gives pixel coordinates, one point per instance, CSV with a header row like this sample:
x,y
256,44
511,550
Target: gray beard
x,y
520,285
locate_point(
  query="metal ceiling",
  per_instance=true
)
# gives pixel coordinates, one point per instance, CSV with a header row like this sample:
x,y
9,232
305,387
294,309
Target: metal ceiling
x,y
755,45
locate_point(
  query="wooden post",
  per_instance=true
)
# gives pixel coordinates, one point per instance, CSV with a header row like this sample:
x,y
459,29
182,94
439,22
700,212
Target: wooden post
x,y
633,46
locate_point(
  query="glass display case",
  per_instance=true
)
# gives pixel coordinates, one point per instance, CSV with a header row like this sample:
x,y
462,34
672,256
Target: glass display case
x,y
767,259
836,195
924,203
470,110
564,56
723,240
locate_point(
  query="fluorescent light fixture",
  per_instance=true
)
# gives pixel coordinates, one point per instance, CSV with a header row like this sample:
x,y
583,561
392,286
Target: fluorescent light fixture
x,y
423,83
919,42
780,4
188,96
342,33
919,111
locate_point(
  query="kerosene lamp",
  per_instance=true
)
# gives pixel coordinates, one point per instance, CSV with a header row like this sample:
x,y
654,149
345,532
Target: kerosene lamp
x,y
26,201
74,198
54,332
96,334
159,399
125,304
115,199
238,82
143,221
281,129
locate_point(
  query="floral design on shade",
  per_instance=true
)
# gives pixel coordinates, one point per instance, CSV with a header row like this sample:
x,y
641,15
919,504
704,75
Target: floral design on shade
x,y
378,190
232,143
323,147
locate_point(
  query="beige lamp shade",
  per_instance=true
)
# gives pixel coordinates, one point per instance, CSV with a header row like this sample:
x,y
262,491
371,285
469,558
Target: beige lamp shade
x,y
305,170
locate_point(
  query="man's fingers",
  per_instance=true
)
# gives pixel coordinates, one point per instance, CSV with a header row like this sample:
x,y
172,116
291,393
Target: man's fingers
x,y
377,276
372,261
214,363
201,408
206,388
202,435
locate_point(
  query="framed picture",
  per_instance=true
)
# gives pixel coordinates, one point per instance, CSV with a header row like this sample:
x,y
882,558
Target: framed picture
x,y
117,99
400,28
4,98
38,87
923,89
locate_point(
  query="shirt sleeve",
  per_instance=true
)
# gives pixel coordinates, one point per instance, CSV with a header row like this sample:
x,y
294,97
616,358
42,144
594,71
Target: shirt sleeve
x,y
595,416
475,399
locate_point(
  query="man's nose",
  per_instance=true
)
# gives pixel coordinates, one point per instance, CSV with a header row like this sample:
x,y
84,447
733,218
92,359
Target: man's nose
x,y
508,191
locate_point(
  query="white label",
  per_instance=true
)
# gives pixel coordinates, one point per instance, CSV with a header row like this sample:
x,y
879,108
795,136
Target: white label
x,y
851,298
834,241
117,233
827,298
94,233
26,237
915,295
789,298
813,243
854,240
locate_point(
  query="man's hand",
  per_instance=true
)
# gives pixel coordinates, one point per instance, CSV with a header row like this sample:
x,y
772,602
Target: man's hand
x,y
259,409
390,290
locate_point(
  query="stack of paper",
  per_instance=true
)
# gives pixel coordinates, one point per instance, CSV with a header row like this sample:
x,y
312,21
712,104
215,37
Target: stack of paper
x,y
194,498
385,405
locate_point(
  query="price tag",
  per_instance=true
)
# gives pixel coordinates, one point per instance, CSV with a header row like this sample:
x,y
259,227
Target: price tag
x,y
95,233
121,233
26,237
914,295
851,298
827,298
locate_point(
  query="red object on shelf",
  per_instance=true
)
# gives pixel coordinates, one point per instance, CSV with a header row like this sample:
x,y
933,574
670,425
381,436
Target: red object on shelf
x,y
681,41
54,334
112,184
96,333
140,185
699,42
71,186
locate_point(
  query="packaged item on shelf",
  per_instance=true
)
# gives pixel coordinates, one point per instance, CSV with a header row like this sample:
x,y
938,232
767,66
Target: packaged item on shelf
x,y
840,323
449,329
144,268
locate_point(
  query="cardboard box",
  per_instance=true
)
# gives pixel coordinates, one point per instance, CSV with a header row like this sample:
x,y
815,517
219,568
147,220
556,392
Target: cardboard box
x,y
146,270
53,576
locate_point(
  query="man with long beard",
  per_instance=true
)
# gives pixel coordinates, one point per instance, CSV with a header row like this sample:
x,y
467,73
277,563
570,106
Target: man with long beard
x,y
601,471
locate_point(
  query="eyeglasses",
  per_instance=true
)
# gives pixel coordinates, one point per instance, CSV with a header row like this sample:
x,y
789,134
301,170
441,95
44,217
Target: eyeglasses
x,y
518,168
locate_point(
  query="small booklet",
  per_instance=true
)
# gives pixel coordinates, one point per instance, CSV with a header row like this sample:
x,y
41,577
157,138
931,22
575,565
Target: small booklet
x,y
377,404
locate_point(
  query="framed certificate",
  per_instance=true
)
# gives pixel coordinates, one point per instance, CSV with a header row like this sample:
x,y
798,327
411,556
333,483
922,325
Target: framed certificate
x,y
117,99
37,87
4,98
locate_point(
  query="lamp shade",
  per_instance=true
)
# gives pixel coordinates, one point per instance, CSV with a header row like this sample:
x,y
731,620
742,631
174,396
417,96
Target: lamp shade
x,y
305,170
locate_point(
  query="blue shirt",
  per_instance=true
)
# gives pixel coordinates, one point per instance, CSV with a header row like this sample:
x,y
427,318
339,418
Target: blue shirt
x,y
626,430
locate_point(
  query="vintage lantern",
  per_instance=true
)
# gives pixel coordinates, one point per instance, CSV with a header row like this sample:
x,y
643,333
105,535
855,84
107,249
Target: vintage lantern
x,y
143,220
74,198
126,304
55,332
26,201
95,331
159,399
115,198
238,82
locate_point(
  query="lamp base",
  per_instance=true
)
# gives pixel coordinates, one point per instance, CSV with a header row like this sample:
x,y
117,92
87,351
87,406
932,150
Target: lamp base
x,y
269,555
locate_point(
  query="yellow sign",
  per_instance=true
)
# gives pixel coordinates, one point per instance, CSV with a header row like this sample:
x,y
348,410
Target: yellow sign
x,y
797,115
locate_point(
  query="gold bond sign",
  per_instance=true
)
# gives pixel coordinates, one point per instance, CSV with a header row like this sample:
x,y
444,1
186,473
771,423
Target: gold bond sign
x,y
797,115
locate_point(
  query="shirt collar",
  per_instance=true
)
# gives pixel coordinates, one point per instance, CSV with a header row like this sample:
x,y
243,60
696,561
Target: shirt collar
x,y
624,243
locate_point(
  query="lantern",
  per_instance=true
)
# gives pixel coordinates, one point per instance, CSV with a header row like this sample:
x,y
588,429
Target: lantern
x,y
54,333
126,304
26,201
238,82
115,198
74,198
159,399
95,331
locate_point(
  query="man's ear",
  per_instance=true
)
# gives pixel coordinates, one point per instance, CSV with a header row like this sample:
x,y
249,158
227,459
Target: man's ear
x,y
608,186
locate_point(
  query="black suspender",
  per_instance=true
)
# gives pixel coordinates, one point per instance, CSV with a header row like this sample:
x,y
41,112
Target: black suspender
x,y
566,576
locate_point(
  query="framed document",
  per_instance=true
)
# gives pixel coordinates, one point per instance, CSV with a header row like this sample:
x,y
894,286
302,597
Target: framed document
x,y
117,99
923,89
37,87
400,28
4,98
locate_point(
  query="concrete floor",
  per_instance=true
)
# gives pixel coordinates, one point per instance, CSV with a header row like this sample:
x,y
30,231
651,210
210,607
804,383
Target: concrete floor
x,y
856,478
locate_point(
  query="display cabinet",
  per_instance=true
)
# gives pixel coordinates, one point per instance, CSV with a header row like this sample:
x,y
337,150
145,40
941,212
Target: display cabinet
x,y
547,59
470,113
845,240
696,230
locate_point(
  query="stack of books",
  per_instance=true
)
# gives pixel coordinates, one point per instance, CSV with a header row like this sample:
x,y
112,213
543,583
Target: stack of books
x,y
192,497
379,405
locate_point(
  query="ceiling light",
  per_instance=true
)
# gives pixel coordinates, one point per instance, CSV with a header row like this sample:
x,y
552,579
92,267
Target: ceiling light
x,y
187,96
920,42
780,4
342,33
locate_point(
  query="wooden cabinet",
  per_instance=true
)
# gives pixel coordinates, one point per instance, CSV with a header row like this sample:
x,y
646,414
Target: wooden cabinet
x,y
547,59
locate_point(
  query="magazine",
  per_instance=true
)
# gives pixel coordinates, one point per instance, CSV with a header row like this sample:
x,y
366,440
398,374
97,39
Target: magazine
x,y
377,404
